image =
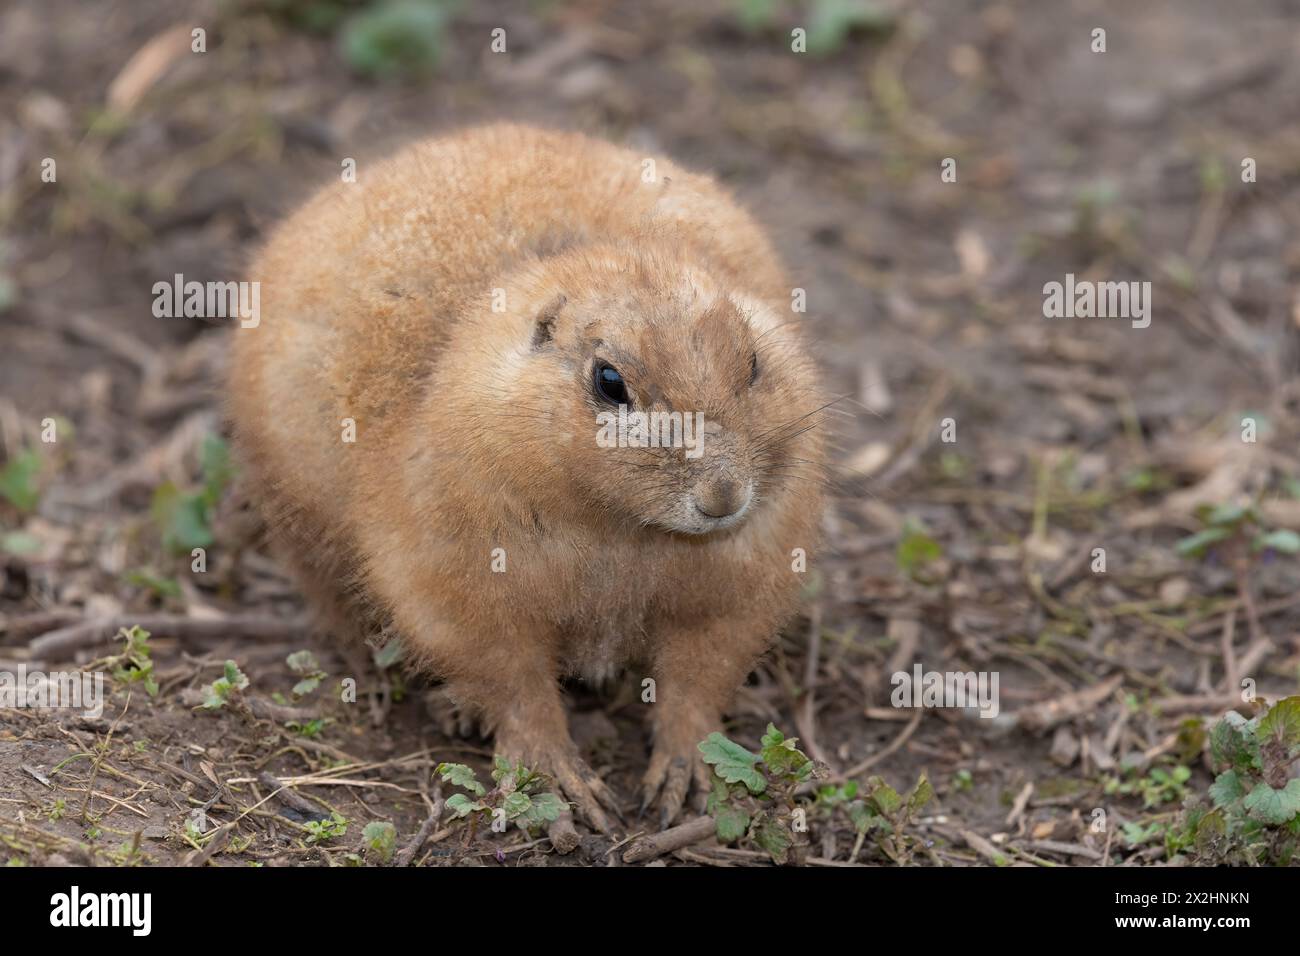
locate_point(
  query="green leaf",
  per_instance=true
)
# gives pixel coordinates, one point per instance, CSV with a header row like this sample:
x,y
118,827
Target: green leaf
x,y
234,676
920,795
1268,805
773,737
182,519
302,662
214,462
885,797
832,21
781,756
1226,789
163,587
1229,514
462,806
18,483
388,655
861,816
1197,544
502,768
732,823
395,38
1281,726
915,548
1233,743
305,686
754,15
20,542
516,803
459,775
1287,542
732,762
381,836
544,808
774,838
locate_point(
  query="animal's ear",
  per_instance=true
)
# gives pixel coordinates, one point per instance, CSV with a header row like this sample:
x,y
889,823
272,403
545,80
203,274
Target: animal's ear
x,y
544,324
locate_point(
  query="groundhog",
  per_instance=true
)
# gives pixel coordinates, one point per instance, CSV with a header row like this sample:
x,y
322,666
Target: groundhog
x,y
442,416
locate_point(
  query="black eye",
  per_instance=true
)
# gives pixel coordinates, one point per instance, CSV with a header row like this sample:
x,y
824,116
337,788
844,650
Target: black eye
x,y
753,368
609,384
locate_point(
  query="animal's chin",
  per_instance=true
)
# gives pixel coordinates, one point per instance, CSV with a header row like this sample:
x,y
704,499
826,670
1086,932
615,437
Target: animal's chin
x,y
699,524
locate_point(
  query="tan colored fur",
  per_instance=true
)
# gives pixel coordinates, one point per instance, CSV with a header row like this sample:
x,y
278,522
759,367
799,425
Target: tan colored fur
x,y
476,430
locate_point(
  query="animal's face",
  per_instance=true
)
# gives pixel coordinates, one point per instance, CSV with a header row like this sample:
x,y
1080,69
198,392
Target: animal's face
x,y
677,404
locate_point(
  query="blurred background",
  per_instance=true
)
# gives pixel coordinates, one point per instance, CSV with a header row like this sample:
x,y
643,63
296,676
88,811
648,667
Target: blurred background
x,y
1172,157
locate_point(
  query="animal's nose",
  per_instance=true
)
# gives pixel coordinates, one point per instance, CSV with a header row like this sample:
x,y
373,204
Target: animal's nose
x,y
722,497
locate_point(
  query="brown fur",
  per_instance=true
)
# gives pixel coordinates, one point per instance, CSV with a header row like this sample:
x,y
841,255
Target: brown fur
x,y
476,430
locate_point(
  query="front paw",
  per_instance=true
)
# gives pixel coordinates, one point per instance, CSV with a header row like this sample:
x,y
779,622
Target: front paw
x,y
578,783
677,769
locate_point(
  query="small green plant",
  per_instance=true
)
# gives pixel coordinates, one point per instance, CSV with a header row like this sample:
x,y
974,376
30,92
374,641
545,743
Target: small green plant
x,y
381,839
916,550
1156,787
1254,817
184,519
322,831
753,794
134,664
518,796
303,663
1237,529
19,481
833,21
397,38
1136,833
221,691
962,781
309,728
159,587
830,23
878,810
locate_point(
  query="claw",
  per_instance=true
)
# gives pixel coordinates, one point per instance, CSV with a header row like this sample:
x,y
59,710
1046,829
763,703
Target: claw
x,y
581,785
668,781
600,790
676,784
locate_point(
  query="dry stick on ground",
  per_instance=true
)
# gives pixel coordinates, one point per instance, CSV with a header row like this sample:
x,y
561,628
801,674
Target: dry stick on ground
x,y
42,622
1242,569
921,435
806,716
983,847
214,845
101,630
408,852
875,758
1177,704
657,844
99,758
1041,717
1066,849
1021,801
1229,655
288,796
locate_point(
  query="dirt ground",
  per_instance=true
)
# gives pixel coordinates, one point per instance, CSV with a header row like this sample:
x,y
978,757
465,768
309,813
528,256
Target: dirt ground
x,y
926,300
